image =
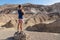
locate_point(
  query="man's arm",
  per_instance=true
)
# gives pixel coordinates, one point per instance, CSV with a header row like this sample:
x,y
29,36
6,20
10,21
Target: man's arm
x,y
23,12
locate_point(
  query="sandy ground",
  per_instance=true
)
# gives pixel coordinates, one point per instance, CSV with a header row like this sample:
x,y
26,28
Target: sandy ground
x,y
8,33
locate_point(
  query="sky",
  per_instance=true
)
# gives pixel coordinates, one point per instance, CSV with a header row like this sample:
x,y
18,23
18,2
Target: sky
x,y
43,2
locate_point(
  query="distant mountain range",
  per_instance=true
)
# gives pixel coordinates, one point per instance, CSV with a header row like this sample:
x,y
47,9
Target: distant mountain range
x,y
49,8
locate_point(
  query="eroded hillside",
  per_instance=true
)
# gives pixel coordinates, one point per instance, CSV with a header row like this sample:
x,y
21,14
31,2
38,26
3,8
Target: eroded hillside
x,y
34,14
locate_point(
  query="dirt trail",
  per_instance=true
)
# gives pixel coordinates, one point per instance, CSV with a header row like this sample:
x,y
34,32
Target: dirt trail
x,y
7,33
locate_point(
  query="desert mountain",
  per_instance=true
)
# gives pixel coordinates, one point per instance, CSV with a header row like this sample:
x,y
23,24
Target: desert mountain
x,y
34,14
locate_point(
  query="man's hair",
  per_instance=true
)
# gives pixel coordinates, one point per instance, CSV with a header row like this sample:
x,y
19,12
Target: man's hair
x,y
19,6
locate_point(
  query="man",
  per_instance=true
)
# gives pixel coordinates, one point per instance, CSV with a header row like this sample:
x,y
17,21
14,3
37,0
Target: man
x,y
20,17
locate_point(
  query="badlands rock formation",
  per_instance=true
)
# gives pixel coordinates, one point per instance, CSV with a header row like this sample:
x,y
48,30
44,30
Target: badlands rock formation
x,y
34,14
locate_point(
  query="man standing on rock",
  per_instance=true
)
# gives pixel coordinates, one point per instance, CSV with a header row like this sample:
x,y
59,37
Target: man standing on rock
x,y
20,17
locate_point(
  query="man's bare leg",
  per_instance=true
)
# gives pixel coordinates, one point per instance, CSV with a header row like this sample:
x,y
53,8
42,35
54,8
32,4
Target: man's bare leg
x,y
18,27
21,26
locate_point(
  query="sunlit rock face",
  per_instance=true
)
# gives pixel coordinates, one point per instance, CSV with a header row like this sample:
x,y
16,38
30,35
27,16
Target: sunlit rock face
x,y
34,14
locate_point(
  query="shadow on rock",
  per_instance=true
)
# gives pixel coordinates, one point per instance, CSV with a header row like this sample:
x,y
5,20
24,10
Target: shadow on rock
x,y
44,28
37,27
8,25
10,38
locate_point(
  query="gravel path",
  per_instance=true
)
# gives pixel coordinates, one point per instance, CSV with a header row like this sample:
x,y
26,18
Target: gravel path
x,y
7,33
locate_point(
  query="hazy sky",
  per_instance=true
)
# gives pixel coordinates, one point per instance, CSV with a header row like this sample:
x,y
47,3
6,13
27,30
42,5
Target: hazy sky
x,y
44,2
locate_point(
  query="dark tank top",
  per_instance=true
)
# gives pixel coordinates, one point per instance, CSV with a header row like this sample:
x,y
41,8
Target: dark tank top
x,y
20,14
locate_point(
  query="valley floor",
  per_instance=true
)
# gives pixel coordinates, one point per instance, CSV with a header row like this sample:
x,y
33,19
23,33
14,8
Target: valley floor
x,y
5,34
